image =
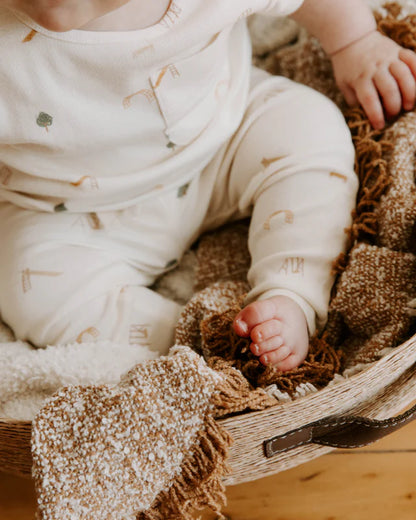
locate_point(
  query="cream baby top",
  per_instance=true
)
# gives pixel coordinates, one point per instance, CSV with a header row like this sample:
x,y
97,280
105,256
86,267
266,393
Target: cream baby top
x,y
93,121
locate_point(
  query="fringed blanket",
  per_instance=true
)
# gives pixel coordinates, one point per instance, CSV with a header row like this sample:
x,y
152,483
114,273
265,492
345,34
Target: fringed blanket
x,y
149,447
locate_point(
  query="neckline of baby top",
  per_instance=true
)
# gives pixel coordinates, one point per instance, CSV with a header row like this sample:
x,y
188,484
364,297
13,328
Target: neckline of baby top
x,y
100,37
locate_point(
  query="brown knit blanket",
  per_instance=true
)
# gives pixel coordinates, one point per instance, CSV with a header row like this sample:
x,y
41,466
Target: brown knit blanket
x,y
149,447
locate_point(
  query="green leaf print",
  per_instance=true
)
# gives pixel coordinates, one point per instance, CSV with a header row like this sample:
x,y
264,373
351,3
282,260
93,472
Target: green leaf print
x,y
60,207
44,120
171,264
183,190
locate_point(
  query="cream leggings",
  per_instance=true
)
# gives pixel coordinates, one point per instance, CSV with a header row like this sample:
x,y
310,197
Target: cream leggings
x,y
69,277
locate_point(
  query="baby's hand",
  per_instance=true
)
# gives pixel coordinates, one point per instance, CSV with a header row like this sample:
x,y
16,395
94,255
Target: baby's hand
x,y
375,72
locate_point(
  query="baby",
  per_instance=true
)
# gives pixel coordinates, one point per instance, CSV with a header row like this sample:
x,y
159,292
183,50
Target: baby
x,y
130,127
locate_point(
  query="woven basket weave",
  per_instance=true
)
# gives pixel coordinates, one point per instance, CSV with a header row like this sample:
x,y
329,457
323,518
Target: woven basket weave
x,y
379,391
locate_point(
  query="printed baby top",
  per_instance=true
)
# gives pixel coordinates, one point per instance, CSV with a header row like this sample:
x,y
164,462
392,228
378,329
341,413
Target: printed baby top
x,y
92,121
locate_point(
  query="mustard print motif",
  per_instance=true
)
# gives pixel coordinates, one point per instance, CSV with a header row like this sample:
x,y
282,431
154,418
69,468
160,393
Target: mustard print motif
x,y
60,207
267,162
88,334
5,175
149,48
183,190
158,187
139,334
171,145
173,72
146,92
339,176
172,15
44,120
289,217
29,36
293,265
94,221
92,182
27,273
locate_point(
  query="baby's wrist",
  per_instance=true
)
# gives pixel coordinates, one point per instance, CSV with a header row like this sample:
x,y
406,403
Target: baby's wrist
x,y
338,50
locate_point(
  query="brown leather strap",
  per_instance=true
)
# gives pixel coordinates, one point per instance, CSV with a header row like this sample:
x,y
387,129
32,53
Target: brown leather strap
x,y
339,432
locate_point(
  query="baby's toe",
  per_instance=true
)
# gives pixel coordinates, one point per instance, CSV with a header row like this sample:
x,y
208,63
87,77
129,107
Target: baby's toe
x,y
252,315
266,330
266,346
290,363
276,356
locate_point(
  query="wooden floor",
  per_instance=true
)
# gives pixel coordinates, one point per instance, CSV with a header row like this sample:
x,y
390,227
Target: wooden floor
x,y
374,483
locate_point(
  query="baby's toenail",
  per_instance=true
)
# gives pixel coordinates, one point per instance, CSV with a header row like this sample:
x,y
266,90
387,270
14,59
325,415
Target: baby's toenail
x,y
266,359
256,349
243,325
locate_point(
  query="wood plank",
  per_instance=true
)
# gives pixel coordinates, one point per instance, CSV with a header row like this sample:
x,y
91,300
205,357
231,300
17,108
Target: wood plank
x,y
372,483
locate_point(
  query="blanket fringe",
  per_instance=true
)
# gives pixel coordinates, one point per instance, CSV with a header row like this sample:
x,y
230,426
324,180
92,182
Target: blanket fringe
x,y
200,483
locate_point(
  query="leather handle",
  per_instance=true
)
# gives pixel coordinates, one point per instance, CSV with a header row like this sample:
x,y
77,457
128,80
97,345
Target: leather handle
x,y
339,432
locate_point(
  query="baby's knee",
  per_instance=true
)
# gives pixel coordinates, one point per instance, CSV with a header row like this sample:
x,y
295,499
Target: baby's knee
x,y
320,119
31,319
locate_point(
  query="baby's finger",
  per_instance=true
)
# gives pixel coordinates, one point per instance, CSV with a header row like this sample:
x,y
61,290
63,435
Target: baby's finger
x,y
368,97
402,74
389,91
349,95
409,57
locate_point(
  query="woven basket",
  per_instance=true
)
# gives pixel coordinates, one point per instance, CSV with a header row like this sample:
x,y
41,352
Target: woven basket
x,y
292,433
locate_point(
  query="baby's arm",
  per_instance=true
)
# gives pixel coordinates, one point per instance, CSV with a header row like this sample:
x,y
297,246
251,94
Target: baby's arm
x,y
370,69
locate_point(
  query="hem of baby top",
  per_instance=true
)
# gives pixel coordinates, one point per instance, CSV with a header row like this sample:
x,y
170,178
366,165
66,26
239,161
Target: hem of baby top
x,y
307,309
283,7
97,37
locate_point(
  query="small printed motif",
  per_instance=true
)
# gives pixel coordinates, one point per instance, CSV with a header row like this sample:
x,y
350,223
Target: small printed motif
x,y
60,207
267,162
88,334
171,16
182,191
29,36
146,92
293,265
44,120
5,175
26,277
339,176
171,145
149,48
94,221
171,263
139,334
174,72
92,182
289,217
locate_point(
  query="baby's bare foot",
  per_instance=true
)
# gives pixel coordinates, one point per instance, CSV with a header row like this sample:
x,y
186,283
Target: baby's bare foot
x,y
278,330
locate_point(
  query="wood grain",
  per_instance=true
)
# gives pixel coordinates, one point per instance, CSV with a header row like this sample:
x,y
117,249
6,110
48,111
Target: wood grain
x,y
372,483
